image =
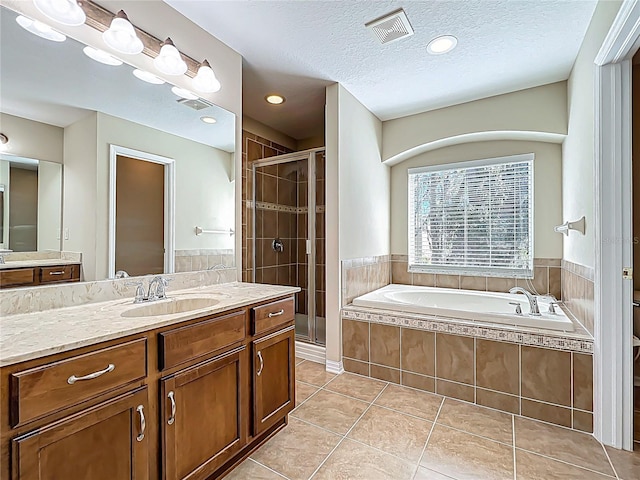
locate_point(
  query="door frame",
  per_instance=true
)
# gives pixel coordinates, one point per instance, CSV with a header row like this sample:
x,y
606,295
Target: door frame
x,y
169,203
613,365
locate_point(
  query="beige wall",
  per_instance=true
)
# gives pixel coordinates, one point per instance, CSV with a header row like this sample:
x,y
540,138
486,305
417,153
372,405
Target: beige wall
x,y
265,131
49,205
539,109
31,139
578,148
547,188
4,180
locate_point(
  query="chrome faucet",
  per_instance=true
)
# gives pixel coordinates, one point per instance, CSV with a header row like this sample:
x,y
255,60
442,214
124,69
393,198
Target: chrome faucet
x,y
533,302
2,262
157,288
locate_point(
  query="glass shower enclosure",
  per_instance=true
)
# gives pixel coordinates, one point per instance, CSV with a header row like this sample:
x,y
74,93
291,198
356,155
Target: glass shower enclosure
x,y
288,220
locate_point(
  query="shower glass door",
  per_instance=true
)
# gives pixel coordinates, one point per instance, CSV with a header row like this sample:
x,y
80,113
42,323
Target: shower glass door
x,y
288,237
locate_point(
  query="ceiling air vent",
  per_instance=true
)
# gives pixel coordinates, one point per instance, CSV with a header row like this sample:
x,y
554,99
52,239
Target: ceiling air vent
x,y
198,104
391,27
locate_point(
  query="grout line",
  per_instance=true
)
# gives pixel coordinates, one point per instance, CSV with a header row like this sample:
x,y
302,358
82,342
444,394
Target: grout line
x,y
348,431
565,462
433,425
519,379
610,462
268,468
513,440
474,434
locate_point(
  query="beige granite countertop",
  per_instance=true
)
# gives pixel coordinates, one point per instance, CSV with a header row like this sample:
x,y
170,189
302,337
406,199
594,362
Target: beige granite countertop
x,y
36,263
35,335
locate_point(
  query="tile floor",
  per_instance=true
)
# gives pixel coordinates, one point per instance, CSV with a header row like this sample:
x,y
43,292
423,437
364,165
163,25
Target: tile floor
x,y
349,427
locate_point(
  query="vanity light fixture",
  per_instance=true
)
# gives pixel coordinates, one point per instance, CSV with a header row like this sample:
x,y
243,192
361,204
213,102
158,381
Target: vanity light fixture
x,y
182,93
275,99
169,61
442,44
121,36
3,142
148,77
40,29
209,120
101,56
205,80
66,12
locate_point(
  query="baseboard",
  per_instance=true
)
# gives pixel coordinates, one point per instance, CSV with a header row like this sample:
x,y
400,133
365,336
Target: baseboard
x,y
311,352
334,367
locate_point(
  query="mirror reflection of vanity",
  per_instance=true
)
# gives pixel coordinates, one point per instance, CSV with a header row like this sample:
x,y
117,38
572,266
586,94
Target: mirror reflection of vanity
x,y
63,110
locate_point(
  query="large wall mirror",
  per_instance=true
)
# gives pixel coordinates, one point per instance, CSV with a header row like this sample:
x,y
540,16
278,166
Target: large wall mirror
x,y
139,167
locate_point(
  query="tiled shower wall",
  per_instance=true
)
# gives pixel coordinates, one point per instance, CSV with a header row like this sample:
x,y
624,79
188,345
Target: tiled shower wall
x,y
578,292
551,385
204,259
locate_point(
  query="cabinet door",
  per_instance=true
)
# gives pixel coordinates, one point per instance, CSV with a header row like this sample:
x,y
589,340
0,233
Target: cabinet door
x,y
202,420
105,442
273,378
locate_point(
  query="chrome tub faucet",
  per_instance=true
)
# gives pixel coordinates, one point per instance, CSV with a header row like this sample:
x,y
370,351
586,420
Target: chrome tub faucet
x,y
533,302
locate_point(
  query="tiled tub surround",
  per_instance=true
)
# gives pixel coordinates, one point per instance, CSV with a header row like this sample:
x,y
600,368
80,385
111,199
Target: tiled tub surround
x,y
538,374
546,279
203,259
364,275
578,292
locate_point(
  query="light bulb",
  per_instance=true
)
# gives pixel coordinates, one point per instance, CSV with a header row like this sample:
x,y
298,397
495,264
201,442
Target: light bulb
x,y
148,77
67,12
169,61
121,36
101,56
182,93
205,80
40,29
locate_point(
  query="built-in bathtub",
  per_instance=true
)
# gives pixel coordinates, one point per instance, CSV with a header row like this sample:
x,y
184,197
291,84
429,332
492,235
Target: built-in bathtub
x,y
466,304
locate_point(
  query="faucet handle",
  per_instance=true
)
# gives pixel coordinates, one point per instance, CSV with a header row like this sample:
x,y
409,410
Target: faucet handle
x,y
140,295
518,307
552,306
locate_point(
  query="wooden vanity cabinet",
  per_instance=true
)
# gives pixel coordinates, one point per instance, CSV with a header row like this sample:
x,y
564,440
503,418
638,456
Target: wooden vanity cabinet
x,y
210,391
34,276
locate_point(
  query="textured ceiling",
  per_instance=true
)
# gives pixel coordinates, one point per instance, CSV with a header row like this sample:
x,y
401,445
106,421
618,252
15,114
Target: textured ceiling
x,y
298,47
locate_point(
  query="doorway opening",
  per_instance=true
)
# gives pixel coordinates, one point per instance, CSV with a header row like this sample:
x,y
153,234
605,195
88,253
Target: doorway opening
x,y
141,213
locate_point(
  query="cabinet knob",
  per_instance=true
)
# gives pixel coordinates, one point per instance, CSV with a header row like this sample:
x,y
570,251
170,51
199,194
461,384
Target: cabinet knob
x,y
261,363
172,418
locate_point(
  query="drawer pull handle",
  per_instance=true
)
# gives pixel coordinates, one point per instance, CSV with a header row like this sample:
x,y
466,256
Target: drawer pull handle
x,y
143,423
73,379
172,418
276,314
261,364
59,272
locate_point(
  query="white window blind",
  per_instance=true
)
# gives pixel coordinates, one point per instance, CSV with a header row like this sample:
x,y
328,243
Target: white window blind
x,y
473,218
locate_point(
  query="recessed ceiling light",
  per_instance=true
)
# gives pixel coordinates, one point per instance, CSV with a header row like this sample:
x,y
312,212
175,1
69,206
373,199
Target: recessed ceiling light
x,y
275,99
181,92
101,56
209,120
40,29
442,44
147,77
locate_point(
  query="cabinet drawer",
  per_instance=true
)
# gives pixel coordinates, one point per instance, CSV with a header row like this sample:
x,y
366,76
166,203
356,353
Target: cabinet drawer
x,y
267,317
52,387
19,276
56,274
187,343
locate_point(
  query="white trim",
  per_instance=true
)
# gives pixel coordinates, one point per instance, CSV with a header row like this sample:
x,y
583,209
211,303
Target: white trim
x,y
335,367
613,376
483,162
169,207
311,352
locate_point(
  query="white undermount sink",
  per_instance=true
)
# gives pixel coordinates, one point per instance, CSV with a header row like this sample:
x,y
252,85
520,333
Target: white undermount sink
x,y
170,306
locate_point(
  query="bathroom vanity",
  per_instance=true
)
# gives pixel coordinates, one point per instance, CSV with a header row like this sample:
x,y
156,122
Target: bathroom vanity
x,y
167,395
42,272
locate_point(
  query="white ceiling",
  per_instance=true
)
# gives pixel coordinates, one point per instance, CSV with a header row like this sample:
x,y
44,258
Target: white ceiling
x,y
298,47
55,83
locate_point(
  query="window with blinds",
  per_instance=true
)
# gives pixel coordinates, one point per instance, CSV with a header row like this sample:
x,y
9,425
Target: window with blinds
x,y
473,218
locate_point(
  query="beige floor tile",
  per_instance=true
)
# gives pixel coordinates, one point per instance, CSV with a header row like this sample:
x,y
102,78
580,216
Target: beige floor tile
x,y
563,444
478,420
297,450
466,457
426,474
354,461
313,373
299,360
331,411
250,469
304,391
407,400
627,464
530,466
362,388
392,432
